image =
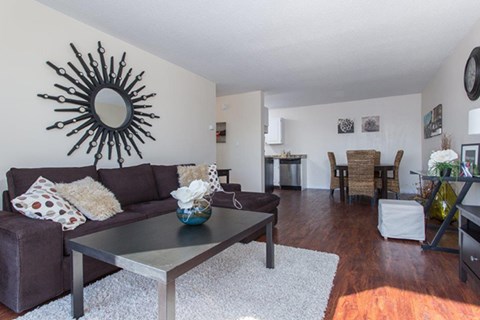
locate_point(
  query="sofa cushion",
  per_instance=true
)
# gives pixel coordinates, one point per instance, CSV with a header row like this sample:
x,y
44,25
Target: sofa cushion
x,y
90,226
90,197
130,185
251,201
214,182
41,201
154,208
166,178
20,179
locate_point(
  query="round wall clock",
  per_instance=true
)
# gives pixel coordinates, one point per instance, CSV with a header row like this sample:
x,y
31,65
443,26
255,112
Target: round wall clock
x,y
471,76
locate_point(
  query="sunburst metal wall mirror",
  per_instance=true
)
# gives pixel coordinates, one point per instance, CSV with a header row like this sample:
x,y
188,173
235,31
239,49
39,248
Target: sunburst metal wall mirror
x,y
109,105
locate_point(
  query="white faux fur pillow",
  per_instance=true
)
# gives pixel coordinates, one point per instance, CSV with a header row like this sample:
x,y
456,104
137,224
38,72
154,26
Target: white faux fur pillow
x,y
187,174
90,197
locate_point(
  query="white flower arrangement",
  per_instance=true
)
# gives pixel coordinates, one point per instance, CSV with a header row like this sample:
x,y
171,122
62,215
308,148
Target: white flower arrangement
x,y
193,195
442,159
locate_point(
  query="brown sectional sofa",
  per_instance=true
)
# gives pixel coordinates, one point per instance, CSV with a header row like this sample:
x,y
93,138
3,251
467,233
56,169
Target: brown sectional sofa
x,y
34,261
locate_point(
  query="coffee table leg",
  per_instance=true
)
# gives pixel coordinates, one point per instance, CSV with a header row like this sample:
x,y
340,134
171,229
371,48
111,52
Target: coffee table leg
x,y
77,284
270,248
166,300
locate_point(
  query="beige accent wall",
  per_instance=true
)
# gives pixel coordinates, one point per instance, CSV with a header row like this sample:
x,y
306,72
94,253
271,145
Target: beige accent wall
x,y
243,151
32,34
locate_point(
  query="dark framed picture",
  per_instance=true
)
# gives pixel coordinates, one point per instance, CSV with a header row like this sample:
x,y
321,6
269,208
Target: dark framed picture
x,y
346,126
469,157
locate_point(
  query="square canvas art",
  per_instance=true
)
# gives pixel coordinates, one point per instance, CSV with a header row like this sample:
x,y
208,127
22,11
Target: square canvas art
x,y
371,124
221,132
345,126
432,122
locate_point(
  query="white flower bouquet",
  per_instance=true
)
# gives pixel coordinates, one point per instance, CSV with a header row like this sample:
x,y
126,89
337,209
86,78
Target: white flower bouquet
x,y
193,207
442,160
193,195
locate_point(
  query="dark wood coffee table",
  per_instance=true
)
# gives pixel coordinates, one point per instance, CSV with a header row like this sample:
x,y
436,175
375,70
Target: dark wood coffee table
x,y
162,248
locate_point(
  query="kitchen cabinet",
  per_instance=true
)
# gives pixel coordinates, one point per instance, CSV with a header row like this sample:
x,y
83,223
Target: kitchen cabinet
x,y
275,131
269,174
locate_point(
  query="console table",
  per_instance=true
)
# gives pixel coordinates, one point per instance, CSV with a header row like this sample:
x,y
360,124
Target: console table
x,y
468,181
224,173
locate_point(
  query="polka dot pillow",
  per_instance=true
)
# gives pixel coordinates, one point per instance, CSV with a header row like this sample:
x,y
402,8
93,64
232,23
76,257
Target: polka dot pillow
x,y
213,179
41,201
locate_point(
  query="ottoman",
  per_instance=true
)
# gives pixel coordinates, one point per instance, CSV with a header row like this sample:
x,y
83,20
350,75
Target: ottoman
x,y
401,219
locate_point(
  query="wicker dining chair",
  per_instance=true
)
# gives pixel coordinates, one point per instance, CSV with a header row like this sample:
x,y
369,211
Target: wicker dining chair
x,y
361,178
378,176
393,184
378,154
334,179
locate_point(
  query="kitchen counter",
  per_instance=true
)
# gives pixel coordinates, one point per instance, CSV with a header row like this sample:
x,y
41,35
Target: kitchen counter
x,y
292,156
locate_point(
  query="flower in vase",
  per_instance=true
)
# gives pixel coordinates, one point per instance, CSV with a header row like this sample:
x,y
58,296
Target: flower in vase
x,y
189,196
440,160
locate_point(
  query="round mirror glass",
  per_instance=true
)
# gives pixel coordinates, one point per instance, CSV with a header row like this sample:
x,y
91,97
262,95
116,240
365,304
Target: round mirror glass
x,y
111,108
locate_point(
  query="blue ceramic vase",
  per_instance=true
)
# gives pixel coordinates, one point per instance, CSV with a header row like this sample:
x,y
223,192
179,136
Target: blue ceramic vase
x,y
194,216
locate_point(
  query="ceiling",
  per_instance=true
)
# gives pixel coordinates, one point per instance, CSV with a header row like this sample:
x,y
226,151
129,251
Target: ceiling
x,y
302,52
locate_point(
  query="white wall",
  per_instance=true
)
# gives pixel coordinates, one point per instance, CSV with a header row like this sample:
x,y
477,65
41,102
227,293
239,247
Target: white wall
x,y
32,34
312,130
243,151
447,88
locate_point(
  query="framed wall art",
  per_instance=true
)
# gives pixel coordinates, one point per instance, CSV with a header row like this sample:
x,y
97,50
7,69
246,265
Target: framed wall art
x,y
469,157
371,124
432,122
221,132
346,126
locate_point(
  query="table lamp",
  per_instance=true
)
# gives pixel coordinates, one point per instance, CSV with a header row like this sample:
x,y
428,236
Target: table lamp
x,y
474,121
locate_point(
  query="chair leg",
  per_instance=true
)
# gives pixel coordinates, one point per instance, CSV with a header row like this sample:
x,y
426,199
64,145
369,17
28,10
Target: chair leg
x,y
396,195
331,192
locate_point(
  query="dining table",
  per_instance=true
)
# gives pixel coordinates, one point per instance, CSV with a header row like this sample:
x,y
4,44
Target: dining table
x,y
381,168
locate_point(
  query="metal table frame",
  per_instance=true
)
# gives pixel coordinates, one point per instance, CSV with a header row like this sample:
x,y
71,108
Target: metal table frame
x,y
468,182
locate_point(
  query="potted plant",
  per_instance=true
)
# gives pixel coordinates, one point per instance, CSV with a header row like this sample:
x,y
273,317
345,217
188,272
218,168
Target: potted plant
x,y
443,163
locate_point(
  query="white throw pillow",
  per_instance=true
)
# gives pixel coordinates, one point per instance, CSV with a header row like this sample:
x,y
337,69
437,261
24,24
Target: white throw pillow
x,y
42,201
213,178
186,174
92,198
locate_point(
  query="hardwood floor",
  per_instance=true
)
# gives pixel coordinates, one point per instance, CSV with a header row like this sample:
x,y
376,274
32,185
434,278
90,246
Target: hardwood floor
x,y
376,279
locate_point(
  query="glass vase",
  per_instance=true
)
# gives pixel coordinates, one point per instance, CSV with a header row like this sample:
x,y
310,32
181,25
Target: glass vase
x,y
194,216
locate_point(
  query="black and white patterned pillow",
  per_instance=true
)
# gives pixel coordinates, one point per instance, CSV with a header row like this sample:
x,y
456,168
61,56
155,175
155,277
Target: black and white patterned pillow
x,y
213,179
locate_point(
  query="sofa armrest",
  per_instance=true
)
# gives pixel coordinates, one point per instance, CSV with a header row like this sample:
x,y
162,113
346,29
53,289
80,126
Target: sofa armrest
x,y
7,206
31,256
229,187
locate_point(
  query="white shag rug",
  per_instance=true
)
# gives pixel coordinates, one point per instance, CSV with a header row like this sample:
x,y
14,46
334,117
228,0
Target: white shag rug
x,y
233,285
